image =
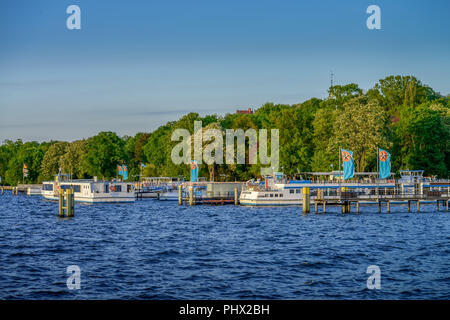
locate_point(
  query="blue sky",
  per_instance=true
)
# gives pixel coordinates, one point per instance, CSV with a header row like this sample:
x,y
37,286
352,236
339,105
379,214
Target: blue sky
x,y
135,65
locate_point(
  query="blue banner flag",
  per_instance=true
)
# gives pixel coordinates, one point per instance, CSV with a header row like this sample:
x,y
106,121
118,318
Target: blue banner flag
x,y
194,171
120,170
384,158
347,161
125,172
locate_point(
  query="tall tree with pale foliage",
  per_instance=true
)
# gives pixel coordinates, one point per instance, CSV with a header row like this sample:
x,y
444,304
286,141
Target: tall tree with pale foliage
x,y
360,127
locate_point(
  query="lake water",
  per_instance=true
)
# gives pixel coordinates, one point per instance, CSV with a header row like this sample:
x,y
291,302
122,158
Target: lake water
x,y
159,250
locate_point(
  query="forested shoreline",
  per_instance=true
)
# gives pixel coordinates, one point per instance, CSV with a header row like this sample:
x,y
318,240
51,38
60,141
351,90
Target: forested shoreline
x,y
399,114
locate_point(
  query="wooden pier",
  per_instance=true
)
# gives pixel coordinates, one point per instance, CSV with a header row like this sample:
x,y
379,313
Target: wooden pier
x,y
345,199
191,199
29,189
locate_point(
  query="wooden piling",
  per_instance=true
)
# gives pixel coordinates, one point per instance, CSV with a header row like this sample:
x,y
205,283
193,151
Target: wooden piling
x,y
306,200
379,206
388,206
324,206
191,196
61,203
236,199
409,206
437,205
70,203
315,207
180,195
447,204
357,207
345,207
418,206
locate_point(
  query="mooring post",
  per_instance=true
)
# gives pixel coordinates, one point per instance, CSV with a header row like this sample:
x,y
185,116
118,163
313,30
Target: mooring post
x,y
437,205
180,195
315,207
418,206
306,200
3,191
379,206
236,199
357,206
346,207
61,203
388,206
409,206
191,196
447,204
324,206
70,203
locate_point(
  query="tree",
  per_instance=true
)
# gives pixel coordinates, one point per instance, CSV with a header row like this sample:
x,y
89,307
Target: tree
x,y
103,153
422,137
51,161
393,92
324,158
134,148
360,127
73,160
344,93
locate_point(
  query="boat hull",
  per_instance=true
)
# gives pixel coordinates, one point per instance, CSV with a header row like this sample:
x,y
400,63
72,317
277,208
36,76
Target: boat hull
x,y
95,200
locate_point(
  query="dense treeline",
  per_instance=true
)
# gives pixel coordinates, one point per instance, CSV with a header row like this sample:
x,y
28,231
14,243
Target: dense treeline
x,y
399,114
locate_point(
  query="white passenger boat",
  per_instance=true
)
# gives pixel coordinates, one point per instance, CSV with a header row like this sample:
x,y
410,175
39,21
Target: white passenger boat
x,y
90,190
278,191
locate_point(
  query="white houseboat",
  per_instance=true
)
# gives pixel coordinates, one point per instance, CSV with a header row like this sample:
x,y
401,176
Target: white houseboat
x,y
278,191
90,191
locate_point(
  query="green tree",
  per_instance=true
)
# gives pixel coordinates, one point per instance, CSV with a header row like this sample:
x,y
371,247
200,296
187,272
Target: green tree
x,y
103,153
360,127
324,158
134,148
422,140
72,161
51,161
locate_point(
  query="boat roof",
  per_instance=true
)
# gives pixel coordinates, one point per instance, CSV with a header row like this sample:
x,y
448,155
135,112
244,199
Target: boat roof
x,y
87,181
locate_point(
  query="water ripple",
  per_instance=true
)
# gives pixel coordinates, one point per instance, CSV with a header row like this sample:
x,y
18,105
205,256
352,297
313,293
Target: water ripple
x,y
158,250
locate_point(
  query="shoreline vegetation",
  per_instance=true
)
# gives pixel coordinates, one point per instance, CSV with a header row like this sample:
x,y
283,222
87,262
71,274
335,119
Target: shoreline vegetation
x,y
399,114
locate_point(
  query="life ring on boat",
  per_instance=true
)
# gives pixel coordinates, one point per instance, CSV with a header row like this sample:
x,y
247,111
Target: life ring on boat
x,y
112,188
57,187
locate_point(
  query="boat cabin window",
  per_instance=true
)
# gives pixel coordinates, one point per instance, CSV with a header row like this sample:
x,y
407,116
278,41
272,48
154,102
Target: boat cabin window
x,y
297,190
271,195
291,191
281,195
47,187
106,188
276,195
77,188
129,188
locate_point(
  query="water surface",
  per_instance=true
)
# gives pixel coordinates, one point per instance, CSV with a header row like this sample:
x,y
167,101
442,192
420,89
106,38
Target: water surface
x,y
158,250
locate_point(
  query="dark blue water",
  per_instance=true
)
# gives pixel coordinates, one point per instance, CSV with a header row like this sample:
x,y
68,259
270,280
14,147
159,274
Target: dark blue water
x,y
158,250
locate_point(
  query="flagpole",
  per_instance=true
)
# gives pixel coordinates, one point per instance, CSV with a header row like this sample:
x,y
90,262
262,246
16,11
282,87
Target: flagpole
x,y
339,171
378,170
378,162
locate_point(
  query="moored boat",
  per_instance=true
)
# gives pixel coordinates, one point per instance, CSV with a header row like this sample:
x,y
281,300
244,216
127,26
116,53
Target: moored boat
x,y
90,190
